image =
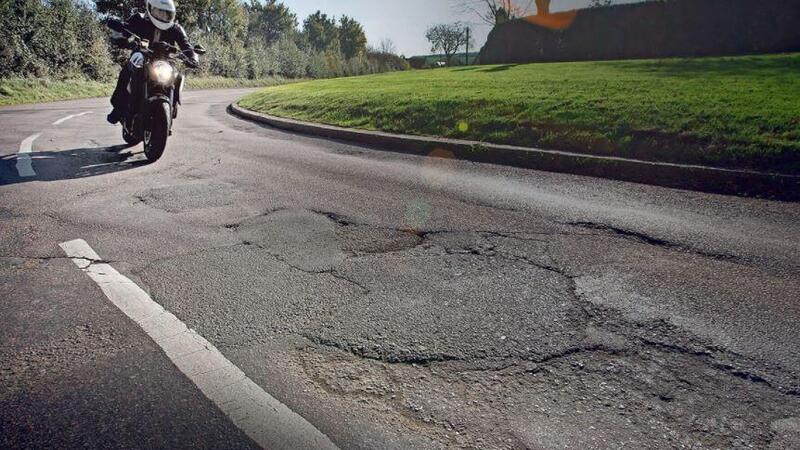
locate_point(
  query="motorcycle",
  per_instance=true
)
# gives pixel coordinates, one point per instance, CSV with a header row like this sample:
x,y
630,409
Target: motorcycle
x,y
155,96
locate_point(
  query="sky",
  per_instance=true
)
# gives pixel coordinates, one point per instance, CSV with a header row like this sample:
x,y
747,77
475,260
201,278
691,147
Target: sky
x,y
405,21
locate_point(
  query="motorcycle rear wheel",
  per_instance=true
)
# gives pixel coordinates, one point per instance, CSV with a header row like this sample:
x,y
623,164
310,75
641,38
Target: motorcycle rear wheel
x,y
157,131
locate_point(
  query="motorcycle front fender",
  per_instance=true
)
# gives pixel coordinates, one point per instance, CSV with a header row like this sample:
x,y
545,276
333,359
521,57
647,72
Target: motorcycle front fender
x,y
157,103
159,99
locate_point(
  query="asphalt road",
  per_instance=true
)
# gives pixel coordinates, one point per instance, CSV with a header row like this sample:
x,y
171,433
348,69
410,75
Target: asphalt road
x,y
392,301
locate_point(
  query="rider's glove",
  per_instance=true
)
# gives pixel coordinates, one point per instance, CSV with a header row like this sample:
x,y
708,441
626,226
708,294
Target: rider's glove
x,y
164,47
193,61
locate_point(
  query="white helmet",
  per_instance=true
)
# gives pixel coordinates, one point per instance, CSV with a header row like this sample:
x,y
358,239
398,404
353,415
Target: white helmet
x,y
161,13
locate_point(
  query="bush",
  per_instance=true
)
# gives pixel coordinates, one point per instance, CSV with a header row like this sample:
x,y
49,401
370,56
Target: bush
x,y
225,58
262,60
59,38
317,65
292,61
387,62
333,64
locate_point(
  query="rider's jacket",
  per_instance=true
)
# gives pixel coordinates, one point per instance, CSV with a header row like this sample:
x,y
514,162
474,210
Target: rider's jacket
x,y
141,26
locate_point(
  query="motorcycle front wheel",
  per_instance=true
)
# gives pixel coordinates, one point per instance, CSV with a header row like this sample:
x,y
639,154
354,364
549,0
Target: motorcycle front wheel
x,y
130,138
157,131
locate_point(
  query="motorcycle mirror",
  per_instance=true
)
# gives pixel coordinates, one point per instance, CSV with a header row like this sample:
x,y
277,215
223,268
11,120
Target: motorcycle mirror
x,y
199,49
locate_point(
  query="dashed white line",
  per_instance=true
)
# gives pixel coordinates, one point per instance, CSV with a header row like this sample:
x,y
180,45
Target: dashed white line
x,y
24,162
64,119
267,421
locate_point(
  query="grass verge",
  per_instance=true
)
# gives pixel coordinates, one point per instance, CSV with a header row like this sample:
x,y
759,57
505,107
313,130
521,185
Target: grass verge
x,y
16,91
739,112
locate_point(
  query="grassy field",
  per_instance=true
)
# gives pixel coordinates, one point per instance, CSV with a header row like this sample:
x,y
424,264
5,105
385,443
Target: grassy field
x,y
735,112
17,91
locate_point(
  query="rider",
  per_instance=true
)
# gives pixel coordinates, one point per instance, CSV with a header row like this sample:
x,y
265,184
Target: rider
x,y
157,24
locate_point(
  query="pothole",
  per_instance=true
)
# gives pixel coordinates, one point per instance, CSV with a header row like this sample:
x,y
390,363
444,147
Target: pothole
x,y
439,307
651,240
648,398
317,241
188,197
483,338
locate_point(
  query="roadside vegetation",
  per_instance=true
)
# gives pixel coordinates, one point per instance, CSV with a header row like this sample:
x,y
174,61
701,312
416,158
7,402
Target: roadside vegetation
x,y
59,49
17,91
736,112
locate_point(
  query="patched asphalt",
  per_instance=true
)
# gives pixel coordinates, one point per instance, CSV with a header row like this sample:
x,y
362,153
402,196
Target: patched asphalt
x,y
393,301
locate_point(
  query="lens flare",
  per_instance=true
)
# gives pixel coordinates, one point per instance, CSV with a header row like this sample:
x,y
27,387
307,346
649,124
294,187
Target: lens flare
x,y
554,21
418,213
437,168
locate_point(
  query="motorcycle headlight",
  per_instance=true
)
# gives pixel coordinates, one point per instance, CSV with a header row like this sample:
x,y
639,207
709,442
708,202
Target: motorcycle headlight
x,y
162,72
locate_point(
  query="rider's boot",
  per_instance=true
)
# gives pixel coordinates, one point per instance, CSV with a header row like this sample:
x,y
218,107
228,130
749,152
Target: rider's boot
x,y
114,117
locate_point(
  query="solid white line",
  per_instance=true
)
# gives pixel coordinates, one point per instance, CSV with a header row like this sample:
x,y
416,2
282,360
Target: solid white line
x,y
270,423
24,163
64,119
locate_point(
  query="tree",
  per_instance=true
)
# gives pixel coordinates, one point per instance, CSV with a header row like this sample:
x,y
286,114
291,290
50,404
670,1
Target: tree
x,y
352,39
227,18
269,20
321,32
387,47
121,9
495,12
447,39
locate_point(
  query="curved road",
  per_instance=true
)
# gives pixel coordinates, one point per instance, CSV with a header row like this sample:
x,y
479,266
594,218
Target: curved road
x,y
391,301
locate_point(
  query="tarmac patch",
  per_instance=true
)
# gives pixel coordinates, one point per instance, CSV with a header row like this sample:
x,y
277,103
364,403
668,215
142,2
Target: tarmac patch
x,y
188,197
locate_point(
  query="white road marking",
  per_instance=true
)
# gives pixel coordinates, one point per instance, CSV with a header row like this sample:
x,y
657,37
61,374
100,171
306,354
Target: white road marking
x,y
64,119
24,163
267,421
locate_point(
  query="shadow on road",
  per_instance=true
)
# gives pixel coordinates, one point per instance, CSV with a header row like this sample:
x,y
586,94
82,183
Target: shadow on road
x,y
72,164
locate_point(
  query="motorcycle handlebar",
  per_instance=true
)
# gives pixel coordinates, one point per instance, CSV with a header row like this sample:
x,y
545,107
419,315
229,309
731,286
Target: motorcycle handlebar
x,y
171,51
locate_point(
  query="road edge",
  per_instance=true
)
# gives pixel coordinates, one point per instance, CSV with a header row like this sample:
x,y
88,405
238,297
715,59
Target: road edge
x,y
689,177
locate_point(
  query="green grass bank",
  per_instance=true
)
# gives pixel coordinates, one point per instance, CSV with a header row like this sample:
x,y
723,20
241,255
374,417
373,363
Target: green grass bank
x,y
741,112
16,91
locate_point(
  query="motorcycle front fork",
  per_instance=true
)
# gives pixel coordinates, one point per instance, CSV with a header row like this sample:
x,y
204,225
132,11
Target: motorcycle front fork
x,y
177,93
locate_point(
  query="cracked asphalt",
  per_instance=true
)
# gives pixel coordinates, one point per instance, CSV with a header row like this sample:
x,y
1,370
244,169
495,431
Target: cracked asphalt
x,y
393,301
